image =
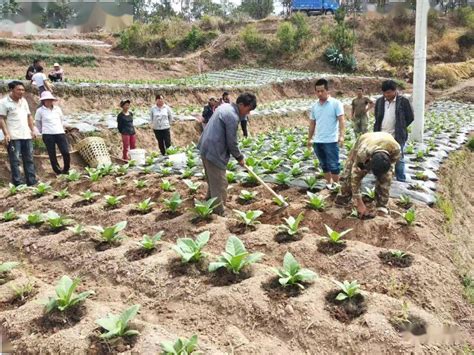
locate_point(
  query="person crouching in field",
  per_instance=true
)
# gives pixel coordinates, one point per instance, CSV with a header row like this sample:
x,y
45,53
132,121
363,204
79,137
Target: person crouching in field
x,y
375,152
49,121
126,129
161,119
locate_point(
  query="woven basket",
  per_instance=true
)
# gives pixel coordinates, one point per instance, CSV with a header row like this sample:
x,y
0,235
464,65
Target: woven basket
x,y
94,151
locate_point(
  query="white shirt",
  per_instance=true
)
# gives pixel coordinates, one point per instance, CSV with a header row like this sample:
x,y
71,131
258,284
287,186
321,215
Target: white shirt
x,y
39,79
161,117
388,121
49,121
16,114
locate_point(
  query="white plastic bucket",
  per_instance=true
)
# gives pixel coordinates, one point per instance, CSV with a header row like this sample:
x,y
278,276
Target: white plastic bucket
x,y
138,155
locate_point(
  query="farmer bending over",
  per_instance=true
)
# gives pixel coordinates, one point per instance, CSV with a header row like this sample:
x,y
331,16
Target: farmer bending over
x,y
219,141
375,152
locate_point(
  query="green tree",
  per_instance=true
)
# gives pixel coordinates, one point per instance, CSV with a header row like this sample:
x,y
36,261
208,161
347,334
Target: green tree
x,y
10,7
58,14
257,9
206,7
162,10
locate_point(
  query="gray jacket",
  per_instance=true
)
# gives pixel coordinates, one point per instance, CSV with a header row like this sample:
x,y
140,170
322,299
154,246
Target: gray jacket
x,y
219,139
161,118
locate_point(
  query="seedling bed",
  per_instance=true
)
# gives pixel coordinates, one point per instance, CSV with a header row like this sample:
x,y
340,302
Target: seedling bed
x,y
389,259
347,310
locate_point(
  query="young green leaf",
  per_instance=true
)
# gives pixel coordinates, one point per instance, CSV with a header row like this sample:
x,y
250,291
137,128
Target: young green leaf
x,y
65,296
33,219
191,250
145,206
316,202
247,195
349,289
13,190
292,273
111,234
9,215
181,346
117,325
249,218
336,237
149,243
193,186
172,204
292,226
204,209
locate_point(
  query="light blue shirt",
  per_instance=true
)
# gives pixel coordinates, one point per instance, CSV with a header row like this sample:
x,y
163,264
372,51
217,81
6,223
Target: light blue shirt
x,y
327,125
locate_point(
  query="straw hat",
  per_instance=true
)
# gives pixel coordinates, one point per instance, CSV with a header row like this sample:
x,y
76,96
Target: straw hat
x,y
56,65
47,95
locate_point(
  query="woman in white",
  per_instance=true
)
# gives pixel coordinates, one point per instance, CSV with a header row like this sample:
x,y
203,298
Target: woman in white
x,y
49,120
161,118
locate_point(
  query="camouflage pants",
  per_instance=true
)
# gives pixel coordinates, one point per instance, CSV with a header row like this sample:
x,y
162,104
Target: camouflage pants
x,y
382,184
361,124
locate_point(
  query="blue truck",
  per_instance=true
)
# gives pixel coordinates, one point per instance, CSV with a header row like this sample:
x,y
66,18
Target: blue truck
x,y
314,7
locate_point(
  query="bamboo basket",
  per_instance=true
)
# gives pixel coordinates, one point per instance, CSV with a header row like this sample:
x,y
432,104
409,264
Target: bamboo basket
x,y
94,151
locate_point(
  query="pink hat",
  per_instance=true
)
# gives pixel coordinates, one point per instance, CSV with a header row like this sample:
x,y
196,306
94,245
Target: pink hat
x,y
46,95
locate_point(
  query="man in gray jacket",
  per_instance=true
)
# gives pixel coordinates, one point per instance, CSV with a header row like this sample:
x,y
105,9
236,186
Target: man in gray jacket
x,y
219,141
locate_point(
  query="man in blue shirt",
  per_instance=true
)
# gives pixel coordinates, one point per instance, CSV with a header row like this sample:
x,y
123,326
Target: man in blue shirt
x,y
326,132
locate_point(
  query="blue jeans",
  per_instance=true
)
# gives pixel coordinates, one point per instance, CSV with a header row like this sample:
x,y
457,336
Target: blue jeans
x,y
23,148
400,166
328,156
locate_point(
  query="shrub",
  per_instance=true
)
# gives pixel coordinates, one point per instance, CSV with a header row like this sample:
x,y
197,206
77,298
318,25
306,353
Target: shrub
x,y
253,39
398,55
286,35
466,41
232,52
303,32
197,38
442,76
342,61
465,16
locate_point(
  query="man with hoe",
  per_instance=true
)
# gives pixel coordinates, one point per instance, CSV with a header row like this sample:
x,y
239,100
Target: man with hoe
x,y
376,153
219,141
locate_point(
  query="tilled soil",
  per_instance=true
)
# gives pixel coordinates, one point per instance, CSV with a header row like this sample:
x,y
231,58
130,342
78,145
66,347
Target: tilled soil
x,y
246,313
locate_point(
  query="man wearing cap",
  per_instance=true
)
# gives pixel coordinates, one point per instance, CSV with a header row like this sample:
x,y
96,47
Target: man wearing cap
x,y
126,129
57,74
219,141
18,129
375,152
49,121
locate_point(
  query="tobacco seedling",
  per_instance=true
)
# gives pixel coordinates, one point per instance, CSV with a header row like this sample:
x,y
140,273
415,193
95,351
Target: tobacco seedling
x,y
93,174
172,204
235,257
250,178
113,201
62,194
34,218
165,171
41,189
231,177
122,169
166,185
65,296
23,291
56,221
145,206
316,202
280,201
191,250
9,215
282,178
150,160
13,190
292,273
247,195
148,242
78,229
172,150
409,216
111,234
146,170
117,325
181,346
191,162
405,200
420,175
89,196
187,173
292,226
231,165
336,237
370,193
249,218
140,184
5,268
193,186
311,182
296,170
73,176
204,209
349,289
399,254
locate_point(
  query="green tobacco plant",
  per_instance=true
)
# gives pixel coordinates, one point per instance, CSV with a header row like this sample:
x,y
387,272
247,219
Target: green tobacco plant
x,y
187,173
111,234
113,201
78,229
247,195
335,237
292,273
204,209
181,346
93,174
5,268
33,219
316,202
296,170
172,150
72,176
235,257
280,201
89,196
166,186
13,190
192,186
399,254
172,204
370,193
409,216
420,175
56,221
9,215
168,164
122,169
65,296
283,178
349,289
62,194
148,242
249,218
292,225
311,182
191,250
145,206
41,189
117,325
165,172
140,184
23,291
405,200
231,177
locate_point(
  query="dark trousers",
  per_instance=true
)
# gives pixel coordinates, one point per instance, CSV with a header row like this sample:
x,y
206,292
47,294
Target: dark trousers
x,y
216,184
51,140
163,136
23,148
243,124
55,77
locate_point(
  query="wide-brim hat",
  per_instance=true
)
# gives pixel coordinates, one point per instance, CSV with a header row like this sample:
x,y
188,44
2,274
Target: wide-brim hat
x,y
123,102
56,65
47,95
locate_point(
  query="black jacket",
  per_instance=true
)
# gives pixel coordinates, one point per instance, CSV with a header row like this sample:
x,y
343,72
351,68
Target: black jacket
x,y
403,117
207,113
125,123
